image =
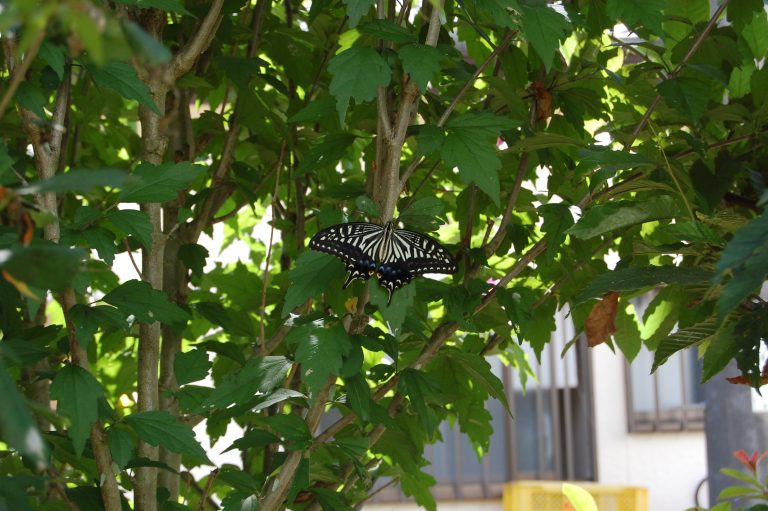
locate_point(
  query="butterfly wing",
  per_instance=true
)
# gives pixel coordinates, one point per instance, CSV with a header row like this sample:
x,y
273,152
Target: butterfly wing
x,y
411,254
354,243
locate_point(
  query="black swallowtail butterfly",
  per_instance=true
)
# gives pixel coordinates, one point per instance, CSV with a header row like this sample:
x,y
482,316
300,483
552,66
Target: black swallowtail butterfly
x,y
395,256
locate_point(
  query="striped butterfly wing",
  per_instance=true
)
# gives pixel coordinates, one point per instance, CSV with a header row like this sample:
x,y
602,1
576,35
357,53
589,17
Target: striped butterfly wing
x,y
411,254
356,244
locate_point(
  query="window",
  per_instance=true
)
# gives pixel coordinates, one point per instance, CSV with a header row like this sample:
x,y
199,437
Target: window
x,y
672,398
550,436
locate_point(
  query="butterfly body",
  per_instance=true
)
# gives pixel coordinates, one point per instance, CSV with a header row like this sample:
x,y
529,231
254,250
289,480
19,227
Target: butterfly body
x,y
395,256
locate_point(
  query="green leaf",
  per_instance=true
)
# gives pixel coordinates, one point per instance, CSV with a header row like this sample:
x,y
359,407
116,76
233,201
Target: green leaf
x,y
470,145
330,500
543,140
518,303
557,220
316,110
648,13
608,217
421,62
480,372
627,335
131,222
681,16
544,28
78,394
103,241
594,157
356,9
160,183
147,304
748,336
121,446
194,257
755,35
161,428
311,276
122,78
17,428
720,350
366,206
290,427
420,390
13,494
42,265
580,499
278,396
739,84
394,313
320,352
191,366
417,484
327,152
358,396
356,73
163,5
88,319
683,339
253,439
78,180
424,214
143,44
630,279
258,374
31,98
745,260
388,31
687,95
741,12
429,139
54,55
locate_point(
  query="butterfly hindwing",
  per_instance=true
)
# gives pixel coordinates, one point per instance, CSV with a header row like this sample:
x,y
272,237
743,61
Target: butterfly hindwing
x,y
352,243
422,254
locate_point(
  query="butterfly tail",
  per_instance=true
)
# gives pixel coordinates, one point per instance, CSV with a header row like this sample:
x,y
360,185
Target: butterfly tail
x,y
389,298
352,276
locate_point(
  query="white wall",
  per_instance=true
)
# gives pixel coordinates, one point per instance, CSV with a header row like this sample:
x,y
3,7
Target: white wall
x,y
670,465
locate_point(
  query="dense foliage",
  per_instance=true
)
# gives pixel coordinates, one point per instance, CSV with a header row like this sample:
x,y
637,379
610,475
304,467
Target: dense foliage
x,y
532,139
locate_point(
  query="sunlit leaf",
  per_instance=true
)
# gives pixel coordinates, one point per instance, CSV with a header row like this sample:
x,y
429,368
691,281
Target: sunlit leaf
x,y
356,74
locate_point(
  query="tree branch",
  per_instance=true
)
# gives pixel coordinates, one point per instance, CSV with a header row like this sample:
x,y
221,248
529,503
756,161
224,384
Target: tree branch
x,y
501,232
691,51
186,57
452,106
496,51
18,72
219,194
387,188
279,485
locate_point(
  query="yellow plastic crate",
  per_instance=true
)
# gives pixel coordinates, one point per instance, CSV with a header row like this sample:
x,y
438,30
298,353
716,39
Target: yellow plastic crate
x,y
548,496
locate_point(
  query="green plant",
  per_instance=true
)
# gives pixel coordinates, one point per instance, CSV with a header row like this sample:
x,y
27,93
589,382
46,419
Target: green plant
x,y
530,137
753,490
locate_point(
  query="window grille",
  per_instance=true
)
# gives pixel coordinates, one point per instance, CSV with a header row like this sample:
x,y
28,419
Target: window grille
x,y
672,398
